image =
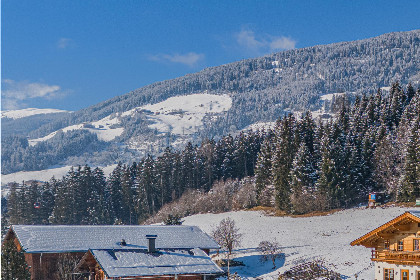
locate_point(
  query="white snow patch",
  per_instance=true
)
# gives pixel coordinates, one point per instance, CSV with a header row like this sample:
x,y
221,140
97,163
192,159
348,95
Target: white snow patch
x,y
385,88
331,95
260,126
17,114
303,239
183,115
101,128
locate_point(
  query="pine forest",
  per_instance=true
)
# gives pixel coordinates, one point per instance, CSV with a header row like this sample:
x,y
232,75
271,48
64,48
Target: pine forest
x,y
302,165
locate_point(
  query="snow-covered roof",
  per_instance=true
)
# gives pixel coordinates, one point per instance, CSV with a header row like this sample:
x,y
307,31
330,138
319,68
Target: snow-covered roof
x,y
125,263
82,238
415,213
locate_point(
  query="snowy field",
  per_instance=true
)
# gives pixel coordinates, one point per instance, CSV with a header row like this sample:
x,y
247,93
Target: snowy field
x,y
303,239
17,114
180,115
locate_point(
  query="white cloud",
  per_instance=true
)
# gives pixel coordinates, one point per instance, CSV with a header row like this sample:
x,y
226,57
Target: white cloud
x,y
282,43
63,43
261,43
15,94
189,59
246,38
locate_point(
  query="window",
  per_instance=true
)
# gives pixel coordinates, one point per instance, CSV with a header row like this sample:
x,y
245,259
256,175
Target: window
x,y
404,274
387,244
388,274
416,244
418,275
400,246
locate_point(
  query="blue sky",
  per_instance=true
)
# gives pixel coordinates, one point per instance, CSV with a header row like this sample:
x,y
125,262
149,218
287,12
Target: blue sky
x,y
73,54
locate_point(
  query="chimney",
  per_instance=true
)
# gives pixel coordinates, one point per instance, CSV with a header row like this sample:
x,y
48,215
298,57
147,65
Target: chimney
x,y
152,244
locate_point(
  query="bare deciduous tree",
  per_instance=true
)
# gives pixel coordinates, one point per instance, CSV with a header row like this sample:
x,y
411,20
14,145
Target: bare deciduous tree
x,y
269,250
228,237
65,266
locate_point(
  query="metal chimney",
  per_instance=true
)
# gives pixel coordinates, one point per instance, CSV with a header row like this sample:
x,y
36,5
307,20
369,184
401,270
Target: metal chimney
x,y
152,243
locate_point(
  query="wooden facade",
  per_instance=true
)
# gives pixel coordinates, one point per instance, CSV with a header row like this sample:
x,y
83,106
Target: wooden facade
x,y
395,248
42,265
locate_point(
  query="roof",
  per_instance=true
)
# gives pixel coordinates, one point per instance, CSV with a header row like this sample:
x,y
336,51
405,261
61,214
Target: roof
x,y
36,239
388,228
126,263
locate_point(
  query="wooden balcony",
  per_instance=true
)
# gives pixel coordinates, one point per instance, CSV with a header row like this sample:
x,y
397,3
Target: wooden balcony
x,y
398,257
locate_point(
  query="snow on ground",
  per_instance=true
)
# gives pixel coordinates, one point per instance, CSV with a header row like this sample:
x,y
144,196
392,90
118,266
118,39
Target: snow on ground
x,y
260,125
184,115
181,115
101,128
43,175
17,114
330,96
303,239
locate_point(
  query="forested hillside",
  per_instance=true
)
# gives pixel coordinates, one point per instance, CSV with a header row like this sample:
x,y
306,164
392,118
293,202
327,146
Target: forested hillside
x,y
261,89
301,166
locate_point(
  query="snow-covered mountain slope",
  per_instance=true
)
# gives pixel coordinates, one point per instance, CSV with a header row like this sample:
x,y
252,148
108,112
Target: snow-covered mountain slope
x,y
179,115
303,239
184,114
103,129
17,114
222,100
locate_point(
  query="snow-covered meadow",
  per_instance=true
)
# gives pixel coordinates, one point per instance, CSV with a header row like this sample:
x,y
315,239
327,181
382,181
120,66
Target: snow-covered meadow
x,y
17,114
303,239
179,115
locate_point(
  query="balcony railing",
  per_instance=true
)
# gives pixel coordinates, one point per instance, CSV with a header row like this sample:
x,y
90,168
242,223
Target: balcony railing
x,y
396,256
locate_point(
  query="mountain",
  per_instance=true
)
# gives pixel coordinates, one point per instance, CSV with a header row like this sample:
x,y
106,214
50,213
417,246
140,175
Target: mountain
x,y
213,102
22,122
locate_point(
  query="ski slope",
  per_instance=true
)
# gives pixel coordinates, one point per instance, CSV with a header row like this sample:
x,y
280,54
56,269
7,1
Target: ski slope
x,y
303,239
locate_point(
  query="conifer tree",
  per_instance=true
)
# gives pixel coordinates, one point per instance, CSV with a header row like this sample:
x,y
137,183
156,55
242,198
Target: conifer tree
x,y
46,205
303,178
13,264
410,187
114,193
13,205
263,173
282,161
127,203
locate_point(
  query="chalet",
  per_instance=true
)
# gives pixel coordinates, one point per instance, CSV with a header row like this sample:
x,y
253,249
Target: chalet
x,y
117,252
395,248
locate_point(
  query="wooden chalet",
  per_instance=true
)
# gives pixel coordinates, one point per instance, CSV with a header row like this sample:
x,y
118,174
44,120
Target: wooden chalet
x,y
395,248
116,252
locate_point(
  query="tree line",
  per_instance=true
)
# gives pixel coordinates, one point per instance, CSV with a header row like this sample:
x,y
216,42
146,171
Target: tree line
x,y
372,145
132,193
301,165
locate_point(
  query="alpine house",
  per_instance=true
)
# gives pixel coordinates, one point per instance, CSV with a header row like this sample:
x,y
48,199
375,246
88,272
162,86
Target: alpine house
x,y
117,252
395,247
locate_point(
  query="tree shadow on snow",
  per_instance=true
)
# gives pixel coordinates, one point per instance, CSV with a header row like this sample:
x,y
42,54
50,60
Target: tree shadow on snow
x,y
254,267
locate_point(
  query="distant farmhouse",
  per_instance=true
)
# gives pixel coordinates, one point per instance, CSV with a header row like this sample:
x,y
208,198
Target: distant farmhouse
x,y
395,248
117,252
